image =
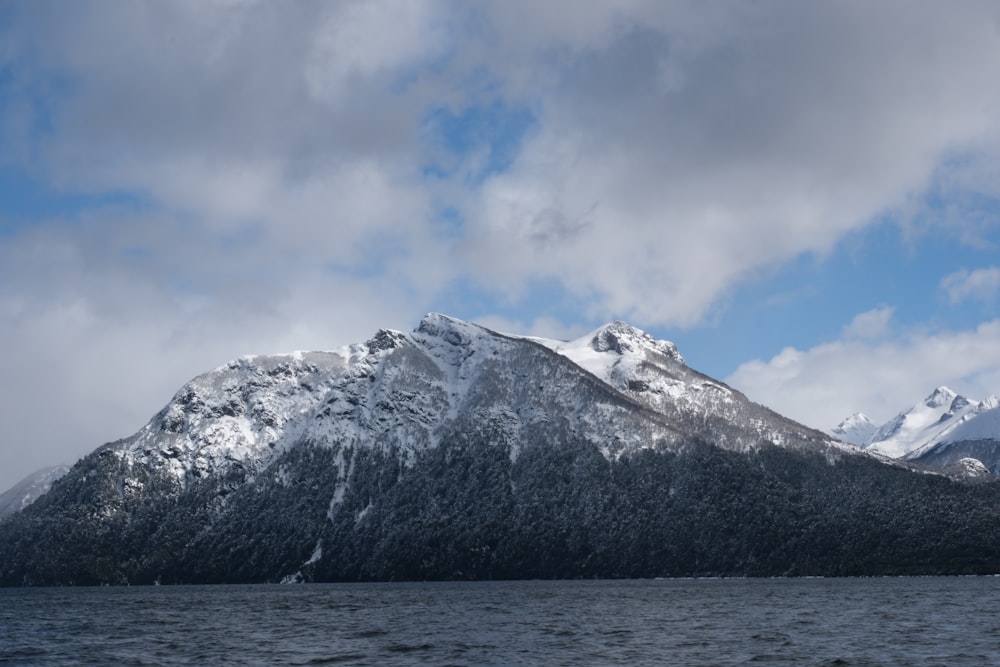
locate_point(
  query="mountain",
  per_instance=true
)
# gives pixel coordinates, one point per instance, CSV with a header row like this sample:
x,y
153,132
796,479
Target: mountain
x,y
408,391
939,431
29,489
926,422
456,452
976,438
856,429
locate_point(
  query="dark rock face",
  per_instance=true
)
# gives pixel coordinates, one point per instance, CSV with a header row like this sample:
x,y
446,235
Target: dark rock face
x,y
457,453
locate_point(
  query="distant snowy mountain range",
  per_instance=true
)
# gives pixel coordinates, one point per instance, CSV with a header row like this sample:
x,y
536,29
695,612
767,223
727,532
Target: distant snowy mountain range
x,y
941,430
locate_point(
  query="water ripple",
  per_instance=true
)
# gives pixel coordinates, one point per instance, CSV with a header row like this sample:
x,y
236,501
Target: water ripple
x,y
816,622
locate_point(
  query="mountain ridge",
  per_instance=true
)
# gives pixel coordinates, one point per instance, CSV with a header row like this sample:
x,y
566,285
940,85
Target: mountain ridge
x,y
241,410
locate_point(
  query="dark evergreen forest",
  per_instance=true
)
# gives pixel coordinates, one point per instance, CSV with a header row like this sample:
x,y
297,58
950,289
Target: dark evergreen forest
x,y
464,510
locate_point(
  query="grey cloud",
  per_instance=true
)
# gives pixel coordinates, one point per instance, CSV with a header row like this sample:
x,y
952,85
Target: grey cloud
x,y
780,127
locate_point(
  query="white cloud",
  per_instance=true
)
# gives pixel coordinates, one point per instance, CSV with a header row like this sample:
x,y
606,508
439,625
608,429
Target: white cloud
x,y
980,284
870,324
822,385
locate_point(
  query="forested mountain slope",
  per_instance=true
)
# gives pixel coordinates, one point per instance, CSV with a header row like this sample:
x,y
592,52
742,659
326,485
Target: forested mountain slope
x,y
457,452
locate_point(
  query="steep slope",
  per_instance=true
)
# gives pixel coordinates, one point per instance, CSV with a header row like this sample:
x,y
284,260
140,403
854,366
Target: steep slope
x,y
984,423
234,415
412,390
29,489
453,451
653,374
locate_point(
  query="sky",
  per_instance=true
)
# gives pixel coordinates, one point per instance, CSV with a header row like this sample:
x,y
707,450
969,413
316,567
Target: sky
x,y
804,197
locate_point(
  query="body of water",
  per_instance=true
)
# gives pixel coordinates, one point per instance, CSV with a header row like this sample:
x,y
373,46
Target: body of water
x,y
948,621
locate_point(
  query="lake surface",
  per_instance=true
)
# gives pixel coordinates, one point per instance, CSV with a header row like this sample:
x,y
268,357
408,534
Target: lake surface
x,y
948,621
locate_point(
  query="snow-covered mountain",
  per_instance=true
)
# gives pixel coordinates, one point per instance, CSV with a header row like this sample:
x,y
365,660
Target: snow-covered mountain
x,y
29,489
654,374
926,422
983,424
856,429
236,414
976,437
939,430
454,451
408,390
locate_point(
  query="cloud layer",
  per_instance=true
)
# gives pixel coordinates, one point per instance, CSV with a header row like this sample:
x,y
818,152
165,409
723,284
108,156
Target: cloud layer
x,y
874,373
695,147
980,284
239,176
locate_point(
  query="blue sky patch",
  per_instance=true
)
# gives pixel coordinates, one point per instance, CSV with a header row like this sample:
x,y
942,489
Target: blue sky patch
x,y
25,201
485,138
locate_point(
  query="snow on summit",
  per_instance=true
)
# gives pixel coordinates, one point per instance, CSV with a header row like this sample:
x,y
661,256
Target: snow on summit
x,y
654,374
611,345
235,412
856,429
983,425
924,423
945,431
405,392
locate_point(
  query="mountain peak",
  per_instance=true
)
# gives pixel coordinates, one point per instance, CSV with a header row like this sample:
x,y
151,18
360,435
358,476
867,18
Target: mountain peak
x,y
385,339
855,429
450,329
940,396
621,338
434,320
925,423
